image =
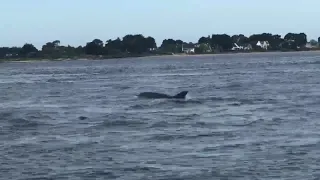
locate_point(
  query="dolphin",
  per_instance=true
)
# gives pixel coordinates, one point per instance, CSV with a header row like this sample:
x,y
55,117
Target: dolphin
x,y
154,95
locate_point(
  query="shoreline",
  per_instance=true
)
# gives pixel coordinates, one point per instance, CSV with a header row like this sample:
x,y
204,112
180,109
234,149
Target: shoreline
x,y
90,58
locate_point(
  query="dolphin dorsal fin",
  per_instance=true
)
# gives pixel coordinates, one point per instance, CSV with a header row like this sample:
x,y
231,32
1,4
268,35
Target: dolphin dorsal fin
x,y
181,95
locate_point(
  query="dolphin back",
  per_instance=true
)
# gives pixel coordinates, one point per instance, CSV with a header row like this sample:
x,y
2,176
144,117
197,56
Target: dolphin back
x,y
153,95
181,95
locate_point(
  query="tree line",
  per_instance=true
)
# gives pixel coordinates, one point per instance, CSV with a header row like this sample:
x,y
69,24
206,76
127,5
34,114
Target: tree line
x,y
139,45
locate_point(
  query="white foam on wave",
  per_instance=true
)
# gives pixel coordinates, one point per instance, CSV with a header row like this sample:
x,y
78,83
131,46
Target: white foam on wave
x,y
15,81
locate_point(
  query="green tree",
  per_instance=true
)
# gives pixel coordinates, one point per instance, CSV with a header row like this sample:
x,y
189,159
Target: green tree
x,y
204,40
56,43
136,44
274,40
79,50
172,46
151,42
240,39
94,47
313,42
221,41
203,48
9,52
113,47
299,39
28,50
52,49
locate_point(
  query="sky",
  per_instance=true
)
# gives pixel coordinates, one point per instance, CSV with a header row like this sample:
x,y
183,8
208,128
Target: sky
x,y
76,22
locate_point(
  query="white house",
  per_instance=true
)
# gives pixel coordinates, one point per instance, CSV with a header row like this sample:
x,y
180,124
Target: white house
x,y
263,44
236,47
205,47
309,45
247,47
312,44
188,48
242,47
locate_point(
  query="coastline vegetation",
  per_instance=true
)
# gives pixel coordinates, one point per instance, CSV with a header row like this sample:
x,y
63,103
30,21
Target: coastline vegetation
x,y
138,46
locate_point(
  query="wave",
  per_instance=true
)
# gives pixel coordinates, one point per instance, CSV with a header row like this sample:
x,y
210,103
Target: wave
x,y
190,136
23,121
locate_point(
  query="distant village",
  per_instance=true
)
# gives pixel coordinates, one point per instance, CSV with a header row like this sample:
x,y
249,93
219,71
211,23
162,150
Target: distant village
x,y
138,45
264,45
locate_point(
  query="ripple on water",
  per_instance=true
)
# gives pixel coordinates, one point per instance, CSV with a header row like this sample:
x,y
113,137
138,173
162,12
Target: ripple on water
x,y
18,122
247,116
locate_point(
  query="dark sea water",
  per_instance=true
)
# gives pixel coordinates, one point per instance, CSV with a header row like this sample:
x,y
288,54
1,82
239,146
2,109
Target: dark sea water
x,y
247,116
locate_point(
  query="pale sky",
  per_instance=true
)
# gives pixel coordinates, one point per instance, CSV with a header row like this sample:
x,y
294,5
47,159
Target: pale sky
x,y
76,22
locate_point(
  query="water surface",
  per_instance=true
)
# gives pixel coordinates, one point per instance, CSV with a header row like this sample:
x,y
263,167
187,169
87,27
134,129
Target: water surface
x,y
247,116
